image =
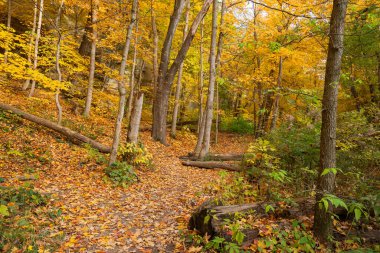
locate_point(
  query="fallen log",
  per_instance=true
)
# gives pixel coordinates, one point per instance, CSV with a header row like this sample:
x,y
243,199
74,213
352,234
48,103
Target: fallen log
x,y
210,217
216,157
211,165
60,129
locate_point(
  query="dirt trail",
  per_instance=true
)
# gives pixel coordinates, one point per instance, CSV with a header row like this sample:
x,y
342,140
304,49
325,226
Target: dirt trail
x,y
145,217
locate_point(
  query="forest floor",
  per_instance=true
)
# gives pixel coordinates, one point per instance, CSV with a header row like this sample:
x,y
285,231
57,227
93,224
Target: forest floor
x,y
97,217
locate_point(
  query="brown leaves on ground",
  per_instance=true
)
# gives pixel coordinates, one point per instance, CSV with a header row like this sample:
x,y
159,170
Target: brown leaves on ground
x,y
97,217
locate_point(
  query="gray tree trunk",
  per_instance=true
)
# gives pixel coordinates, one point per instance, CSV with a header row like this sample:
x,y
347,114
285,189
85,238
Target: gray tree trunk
x,y
38,35
155,49
179,80
57,66
166,77
132,78
121,85
134,124
211,89
200,85
9,20
322,218
27,81
75,136
94,13
160,105
276,103
219,67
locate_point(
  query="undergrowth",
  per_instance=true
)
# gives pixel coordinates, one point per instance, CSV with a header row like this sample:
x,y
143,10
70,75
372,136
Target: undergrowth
x,y
26,221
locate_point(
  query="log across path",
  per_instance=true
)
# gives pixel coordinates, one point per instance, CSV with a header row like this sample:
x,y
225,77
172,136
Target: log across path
x,y
68,133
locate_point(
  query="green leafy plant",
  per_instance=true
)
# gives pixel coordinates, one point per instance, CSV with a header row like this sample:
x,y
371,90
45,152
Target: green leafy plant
x,y
334,200
121,174
25,220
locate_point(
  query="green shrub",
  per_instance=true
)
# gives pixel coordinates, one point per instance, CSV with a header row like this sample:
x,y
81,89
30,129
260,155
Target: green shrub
x,y
237,125
25,222
121,174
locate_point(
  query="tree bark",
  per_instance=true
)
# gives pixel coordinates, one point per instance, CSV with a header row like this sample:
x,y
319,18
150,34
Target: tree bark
x,y
277,97
75,136
216,157
211,165
322,218
155,49
57,66
166,77
211,90
85,45
9,20
27,81
38,35
134,124
200,86
132,78
160,104
94,16
179,80
218,67
121,85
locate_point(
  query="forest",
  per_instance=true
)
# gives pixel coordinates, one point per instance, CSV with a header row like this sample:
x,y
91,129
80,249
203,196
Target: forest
x,y
189,126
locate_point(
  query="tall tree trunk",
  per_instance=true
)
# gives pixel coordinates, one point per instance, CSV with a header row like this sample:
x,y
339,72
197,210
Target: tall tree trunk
x,y
132,78
277,98
94,12
322,218
211,90
378,71
9,19
57,66
218,67
86,43
200,85
38,35
155,49
179,80
166,76
27,82
160,103
121,85
134,124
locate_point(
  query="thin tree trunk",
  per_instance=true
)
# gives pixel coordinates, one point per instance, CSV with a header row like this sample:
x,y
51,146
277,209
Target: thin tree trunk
x,y
57,57
219,67
134,124
38,35
211,90
200,86
166,76
27,82
94,13
155,49
179,81
277,98
9,19
121,85
378,71
132,79
322,217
